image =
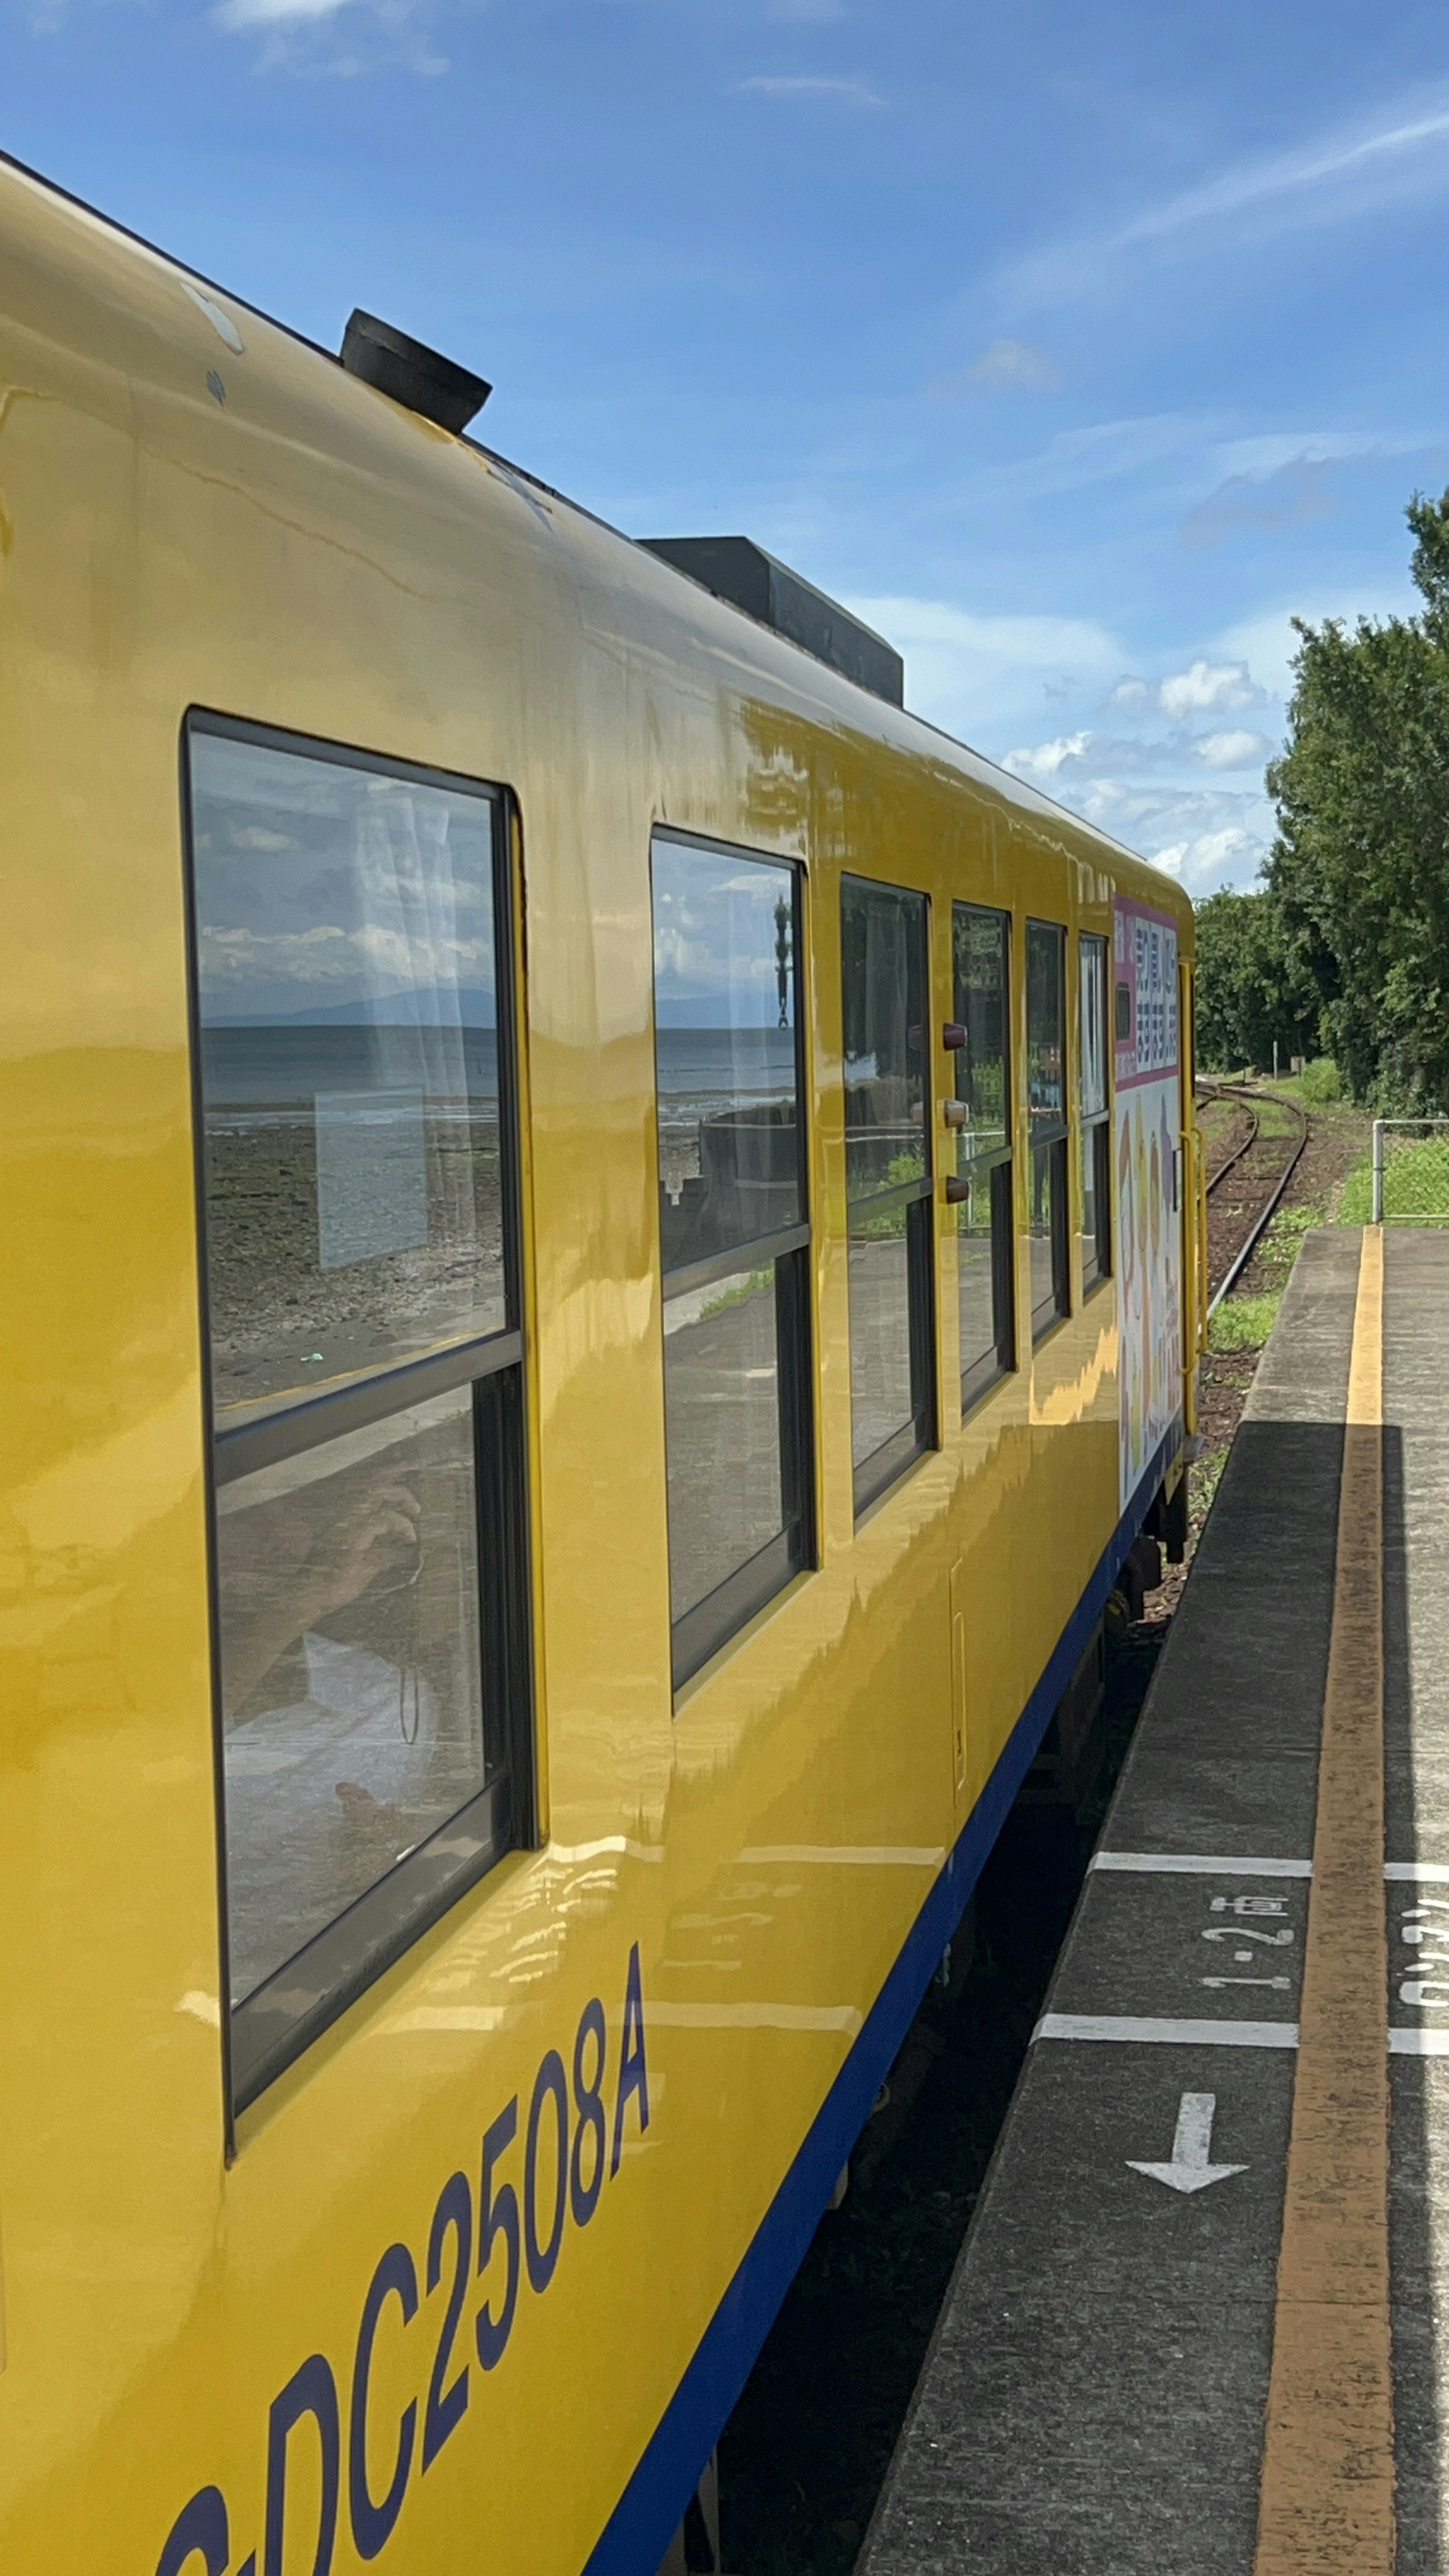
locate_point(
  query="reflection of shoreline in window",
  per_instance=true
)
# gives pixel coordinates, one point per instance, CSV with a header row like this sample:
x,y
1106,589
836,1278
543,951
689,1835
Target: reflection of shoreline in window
x,y
985,1222
885,995
733,1238
361,1264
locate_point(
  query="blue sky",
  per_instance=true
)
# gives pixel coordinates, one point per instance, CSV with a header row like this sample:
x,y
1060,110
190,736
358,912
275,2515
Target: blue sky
x,y
1079,346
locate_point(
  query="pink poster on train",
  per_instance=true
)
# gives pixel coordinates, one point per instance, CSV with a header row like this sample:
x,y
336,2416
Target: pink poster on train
x,y
1146,1132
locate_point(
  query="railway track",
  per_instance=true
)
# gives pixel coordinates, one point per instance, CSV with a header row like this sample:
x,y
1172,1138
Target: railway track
x,y
1235,1230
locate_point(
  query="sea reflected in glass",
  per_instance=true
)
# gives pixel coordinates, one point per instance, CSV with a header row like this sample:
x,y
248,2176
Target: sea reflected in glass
x,y
349,1068
730,1166
722,1431
351,1671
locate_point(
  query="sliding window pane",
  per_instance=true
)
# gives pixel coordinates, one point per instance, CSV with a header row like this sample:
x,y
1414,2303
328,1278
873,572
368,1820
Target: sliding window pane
x,y
352,1662
733,1238
985,1249
973,1272
722,1411
730,1162
349,1066
1046,1096
888,1178
1095,1115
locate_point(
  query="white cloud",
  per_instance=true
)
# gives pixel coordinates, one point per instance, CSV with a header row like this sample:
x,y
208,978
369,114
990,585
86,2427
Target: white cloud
x,y
1206,686
1233,750
1200,835
972,674
854,93
1072,758
1343,173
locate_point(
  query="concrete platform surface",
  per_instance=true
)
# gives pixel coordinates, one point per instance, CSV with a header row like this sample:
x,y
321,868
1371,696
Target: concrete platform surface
x,y
1095,2398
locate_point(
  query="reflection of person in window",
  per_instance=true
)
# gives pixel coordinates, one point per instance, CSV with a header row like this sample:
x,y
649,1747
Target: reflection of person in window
x,y
336,1655
299,1577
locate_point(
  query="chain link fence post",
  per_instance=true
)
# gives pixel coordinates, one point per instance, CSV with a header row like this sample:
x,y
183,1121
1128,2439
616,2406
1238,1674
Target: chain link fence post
x,y
1378,1200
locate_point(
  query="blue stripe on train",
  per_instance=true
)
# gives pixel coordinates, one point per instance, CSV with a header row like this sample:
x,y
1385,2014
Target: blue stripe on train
x,y
652,2506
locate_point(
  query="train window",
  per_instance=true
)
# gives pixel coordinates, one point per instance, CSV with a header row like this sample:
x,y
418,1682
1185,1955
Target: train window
x,y
352,942
985,1252
734,1237
1046,1014
1096,1117
886,1003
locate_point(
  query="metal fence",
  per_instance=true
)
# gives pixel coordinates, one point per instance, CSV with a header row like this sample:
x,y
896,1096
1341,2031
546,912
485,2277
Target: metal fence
x,y
1411,1171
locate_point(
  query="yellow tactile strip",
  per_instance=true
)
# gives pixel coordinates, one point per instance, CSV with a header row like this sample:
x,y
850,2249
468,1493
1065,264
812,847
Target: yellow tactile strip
x,y
1327,2497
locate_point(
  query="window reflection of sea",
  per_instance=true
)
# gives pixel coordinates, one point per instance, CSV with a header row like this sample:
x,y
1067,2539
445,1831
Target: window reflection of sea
x,y
703,1072
257,1078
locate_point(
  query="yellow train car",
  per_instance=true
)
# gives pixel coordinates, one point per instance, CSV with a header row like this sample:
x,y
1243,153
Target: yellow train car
x,y
602,1271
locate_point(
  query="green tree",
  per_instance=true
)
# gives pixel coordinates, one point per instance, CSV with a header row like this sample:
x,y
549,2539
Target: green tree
x,y
1252,989
1359,872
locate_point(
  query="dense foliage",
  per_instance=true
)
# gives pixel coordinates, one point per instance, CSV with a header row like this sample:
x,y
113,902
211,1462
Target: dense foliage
x,y
1357,897
1252,989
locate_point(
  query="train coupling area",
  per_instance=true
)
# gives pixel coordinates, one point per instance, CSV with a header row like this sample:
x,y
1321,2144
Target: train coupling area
x,y
1201,2319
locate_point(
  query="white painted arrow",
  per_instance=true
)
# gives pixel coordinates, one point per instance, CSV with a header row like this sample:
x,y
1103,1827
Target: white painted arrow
x,y
1191,2145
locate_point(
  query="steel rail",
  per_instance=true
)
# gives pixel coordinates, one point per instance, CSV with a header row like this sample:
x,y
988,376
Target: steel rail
x,y
1215,1091
1260,1223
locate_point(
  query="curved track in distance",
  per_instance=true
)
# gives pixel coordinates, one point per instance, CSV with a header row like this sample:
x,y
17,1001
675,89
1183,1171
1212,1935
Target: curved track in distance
x,y
1264,1196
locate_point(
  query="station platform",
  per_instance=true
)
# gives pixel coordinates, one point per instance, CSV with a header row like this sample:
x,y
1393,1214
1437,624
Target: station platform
x,y
1201,2319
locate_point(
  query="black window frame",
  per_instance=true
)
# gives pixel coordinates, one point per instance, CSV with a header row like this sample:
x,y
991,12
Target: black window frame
x,y
1095,1125
1048,1147
281,2019
709,1625
884,1466
997,1165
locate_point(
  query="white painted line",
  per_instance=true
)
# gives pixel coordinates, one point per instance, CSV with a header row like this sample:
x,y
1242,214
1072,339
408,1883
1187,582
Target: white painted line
x,y
1419,1873
1191,2148
1170,2034
1419,2043
1202,1865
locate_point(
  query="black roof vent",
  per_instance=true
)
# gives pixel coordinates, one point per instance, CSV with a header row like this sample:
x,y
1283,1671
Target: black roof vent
x,y
735,568
411,374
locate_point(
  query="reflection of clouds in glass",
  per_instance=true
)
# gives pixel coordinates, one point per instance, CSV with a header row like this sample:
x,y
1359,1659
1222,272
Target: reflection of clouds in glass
x,y
322,885
715,935
235,962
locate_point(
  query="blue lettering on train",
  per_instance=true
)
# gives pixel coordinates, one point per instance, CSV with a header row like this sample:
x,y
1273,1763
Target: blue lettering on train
x,y
505,2238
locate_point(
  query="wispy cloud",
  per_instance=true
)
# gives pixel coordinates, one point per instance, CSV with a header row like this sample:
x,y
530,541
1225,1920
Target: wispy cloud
x,y
1291,498
239,14
308,35
1346,172
971,673
1007,367
851,93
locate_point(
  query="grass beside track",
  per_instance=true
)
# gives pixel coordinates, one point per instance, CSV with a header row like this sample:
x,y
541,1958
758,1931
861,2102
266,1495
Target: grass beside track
x,y
1416,1185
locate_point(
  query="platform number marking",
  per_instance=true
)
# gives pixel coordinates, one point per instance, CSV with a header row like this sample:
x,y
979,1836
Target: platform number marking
x,y
1245,1930
1425,1927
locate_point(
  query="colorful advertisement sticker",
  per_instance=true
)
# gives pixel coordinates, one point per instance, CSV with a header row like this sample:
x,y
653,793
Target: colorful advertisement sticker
x,y
1147,1124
